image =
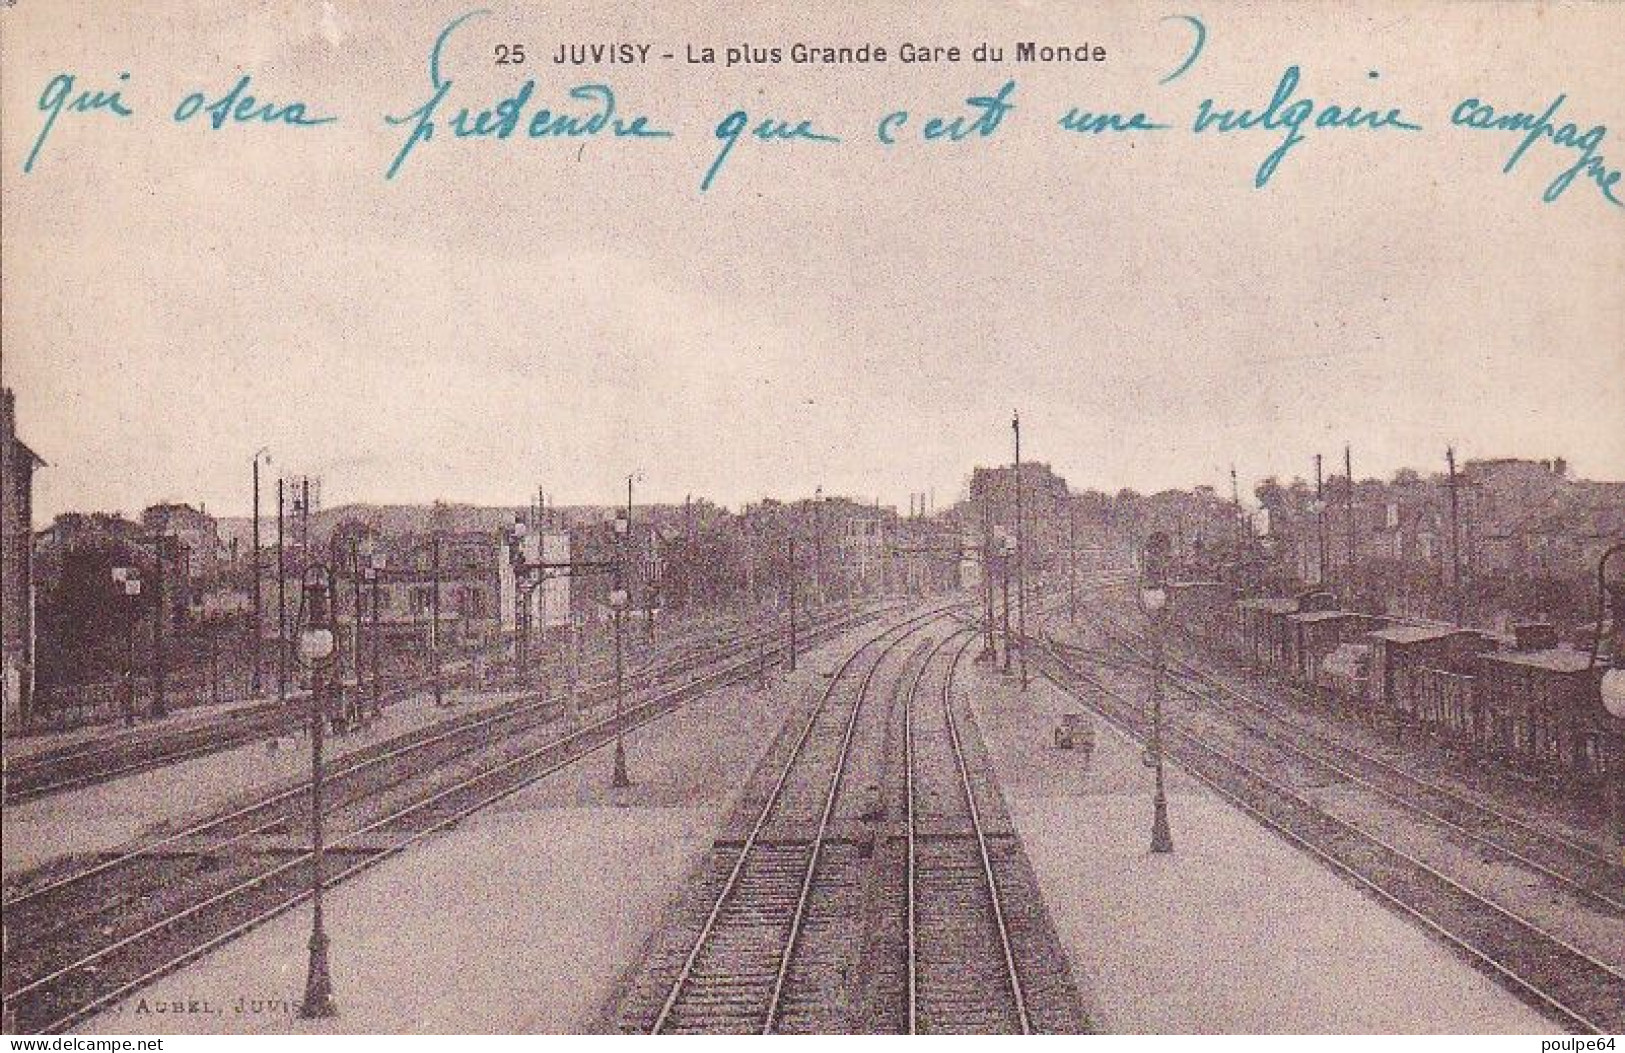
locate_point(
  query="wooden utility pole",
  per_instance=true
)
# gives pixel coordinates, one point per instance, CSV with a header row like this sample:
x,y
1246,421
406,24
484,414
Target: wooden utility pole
x,y
355,629
1235,499
1071,559
1455,536
1021,557
1320,523
990,646
434,613
792,604
1348,510
281,594
160,663
254,639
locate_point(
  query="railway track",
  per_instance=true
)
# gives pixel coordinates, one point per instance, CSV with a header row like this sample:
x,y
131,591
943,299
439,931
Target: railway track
x,y
733,977
868,880
348,779
84,940
1581,869
961,965
91,763
1571,986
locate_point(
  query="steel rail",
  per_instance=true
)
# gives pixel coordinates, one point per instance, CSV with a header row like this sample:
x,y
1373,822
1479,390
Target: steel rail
x,y
1435,815
636,716
1476,953
681,980
498,715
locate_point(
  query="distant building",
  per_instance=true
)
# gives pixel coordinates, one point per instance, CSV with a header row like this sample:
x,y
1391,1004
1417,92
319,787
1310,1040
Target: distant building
x,y
1046,504
197,531
546,598
17,464
471,575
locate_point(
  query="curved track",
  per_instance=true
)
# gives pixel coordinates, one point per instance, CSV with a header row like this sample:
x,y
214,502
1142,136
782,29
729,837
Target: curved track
x,y
84,940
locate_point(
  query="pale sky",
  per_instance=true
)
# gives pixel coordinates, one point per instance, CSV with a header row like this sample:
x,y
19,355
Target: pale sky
x,y
511,314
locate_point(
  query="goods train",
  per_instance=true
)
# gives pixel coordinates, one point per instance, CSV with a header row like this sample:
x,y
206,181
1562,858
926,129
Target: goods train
x,y
1525,703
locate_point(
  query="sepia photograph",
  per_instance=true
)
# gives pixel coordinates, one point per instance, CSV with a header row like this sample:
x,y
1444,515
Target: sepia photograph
x,y
989,517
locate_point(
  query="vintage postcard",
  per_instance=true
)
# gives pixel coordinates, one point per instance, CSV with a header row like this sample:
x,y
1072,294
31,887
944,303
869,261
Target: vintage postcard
x,y
999,517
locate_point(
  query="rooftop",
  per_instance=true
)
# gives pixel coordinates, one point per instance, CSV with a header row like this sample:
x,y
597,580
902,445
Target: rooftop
x,y
1407,634
1270,605
1326,616
1555,660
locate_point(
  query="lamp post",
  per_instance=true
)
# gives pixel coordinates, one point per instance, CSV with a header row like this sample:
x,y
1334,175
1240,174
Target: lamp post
x,y
127,583
1612,689
1153,601
318,594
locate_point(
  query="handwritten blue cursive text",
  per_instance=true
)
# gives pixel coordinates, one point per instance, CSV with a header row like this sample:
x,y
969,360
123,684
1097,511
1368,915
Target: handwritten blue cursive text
x,y
54,99
1293,116
503,119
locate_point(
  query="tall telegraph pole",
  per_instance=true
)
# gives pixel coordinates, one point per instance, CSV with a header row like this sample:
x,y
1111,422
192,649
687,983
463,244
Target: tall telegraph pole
x,y
1348,509
254,639
1455,534
1021,557
990,649
1320,523
281,594
1071,559
434,614
792,603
